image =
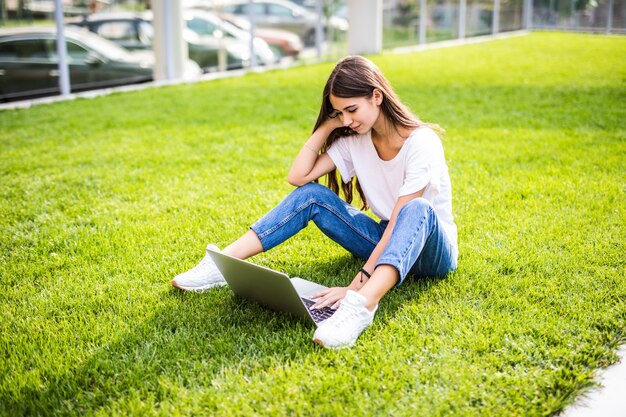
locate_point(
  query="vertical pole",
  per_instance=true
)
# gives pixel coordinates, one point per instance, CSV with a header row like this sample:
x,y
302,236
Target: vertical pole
x,y
609,18
222,65
528,14
64,76
167,34
462,18
3,12
169,46
319,34
365,34
422,22
251,17
495,23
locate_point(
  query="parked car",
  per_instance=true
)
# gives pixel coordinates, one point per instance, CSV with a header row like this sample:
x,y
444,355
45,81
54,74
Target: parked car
x,y
207,24
283,14
282,42
310,5
134,31
29,63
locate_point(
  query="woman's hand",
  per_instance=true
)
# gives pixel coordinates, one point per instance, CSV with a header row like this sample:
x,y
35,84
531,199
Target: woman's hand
x,y
331,297
333,123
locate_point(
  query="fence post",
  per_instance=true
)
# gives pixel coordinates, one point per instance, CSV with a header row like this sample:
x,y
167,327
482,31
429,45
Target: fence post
x,y
609,18
528,14
462,17
495,23
422,22
365,34
170,49
251,18
64,76
319,30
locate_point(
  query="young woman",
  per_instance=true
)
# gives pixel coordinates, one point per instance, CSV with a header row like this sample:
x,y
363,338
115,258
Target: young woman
x,y
396,163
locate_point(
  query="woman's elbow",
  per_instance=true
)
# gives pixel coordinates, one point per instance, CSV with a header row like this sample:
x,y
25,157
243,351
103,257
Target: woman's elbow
x,y
295,180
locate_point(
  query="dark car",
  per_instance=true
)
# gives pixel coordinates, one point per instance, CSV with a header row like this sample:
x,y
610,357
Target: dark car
x,y
134,31
29,63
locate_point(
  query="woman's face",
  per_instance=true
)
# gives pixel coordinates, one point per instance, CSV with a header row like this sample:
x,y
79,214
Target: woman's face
x,y
358,113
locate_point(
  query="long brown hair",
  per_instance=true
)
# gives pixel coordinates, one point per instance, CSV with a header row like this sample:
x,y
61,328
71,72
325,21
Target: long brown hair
x,y
356,76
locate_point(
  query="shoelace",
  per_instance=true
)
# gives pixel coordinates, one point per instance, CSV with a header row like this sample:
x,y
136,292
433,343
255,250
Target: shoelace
x,y
346,310
202,263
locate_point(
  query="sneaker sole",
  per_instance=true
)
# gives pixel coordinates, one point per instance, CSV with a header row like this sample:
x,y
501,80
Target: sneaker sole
x,y
321,343
198,289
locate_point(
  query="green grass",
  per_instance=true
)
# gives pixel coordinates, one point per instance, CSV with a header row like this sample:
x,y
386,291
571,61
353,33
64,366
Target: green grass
x,y
104,200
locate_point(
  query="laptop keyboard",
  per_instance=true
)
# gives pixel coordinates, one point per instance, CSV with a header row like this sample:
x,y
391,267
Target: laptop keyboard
x,y
318,314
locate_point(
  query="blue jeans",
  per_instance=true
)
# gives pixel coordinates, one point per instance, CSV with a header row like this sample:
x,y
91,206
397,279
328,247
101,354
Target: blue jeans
x,y
418,243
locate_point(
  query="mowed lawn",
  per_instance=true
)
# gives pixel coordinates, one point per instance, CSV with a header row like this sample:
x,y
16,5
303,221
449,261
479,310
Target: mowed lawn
x,y
103,201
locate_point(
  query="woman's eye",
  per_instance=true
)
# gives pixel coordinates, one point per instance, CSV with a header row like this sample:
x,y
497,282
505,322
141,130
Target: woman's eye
x,y
352,111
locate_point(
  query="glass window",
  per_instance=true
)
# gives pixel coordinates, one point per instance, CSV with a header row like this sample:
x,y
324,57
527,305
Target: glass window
x,y
146,33
24,49
278,10
258,9
119,31
75,52
201,26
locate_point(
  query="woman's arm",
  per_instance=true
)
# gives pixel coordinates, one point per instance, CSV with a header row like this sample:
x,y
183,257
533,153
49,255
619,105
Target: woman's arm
x,y
333,296
309,165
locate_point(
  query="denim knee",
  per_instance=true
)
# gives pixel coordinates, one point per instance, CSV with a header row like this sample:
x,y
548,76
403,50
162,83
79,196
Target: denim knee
x,y
416,221
312,190
416,208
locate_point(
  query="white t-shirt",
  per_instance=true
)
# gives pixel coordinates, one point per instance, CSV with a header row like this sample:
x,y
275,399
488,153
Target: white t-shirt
x,y
419,164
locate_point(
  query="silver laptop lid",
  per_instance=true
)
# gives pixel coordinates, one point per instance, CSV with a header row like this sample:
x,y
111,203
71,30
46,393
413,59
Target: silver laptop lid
x,y
265,286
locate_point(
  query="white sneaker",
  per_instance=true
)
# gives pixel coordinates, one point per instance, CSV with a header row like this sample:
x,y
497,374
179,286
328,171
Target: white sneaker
x,y
202,277
346,325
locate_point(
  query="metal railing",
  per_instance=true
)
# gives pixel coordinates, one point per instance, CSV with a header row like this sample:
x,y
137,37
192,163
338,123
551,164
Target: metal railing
x,y
405,22
411,22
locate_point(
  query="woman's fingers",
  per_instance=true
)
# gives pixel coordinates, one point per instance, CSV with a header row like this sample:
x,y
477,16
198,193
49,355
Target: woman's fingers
x,y
325,302
321,293
330,297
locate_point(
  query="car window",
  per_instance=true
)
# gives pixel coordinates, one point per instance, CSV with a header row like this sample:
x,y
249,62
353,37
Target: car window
x,y
258,9
201,26
103,46
24,49
146,32
118,31
279,10
75,52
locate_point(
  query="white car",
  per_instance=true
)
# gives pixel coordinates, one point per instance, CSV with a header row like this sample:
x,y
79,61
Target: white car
x,y
282,14
209,25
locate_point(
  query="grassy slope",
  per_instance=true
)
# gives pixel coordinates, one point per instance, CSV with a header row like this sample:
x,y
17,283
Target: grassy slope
x,y
104,200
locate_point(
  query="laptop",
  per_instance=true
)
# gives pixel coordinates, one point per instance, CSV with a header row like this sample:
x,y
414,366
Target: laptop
x,y
270,288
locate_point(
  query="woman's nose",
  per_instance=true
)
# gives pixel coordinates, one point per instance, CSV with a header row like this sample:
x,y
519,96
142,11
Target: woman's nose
x,y
347,121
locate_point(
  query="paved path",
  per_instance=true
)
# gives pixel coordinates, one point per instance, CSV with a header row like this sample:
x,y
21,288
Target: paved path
x,y
609,400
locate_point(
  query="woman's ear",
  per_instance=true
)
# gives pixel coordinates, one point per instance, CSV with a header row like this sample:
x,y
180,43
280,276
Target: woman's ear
x,y
377,95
